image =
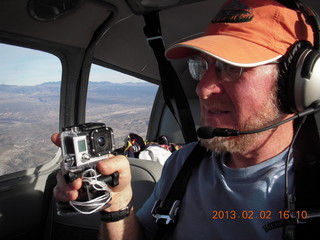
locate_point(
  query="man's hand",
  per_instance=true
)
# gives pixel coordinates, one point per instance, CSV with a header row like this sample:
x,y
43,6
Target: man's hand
x,y
121,194
128,228
64,192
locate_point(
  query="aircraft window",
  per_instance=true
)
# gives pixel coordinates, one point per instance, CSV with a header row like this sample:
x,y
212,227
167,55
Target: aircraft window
x,y
29,107
120,101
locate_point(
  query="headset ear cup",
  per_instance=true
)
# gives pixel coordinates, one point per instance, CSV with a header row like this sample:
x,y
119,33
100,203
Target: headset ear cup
x,y
308,80
288,75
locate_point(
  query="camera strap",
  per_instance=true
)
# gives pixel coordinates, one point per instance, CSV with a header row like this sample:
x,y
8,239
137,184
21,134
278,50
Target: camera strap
x,y
171,86
166,211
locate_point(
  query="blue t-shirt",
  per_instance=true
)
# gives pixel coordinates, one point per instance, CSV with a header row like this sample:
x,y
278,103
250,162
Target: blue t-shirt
x,y
224,203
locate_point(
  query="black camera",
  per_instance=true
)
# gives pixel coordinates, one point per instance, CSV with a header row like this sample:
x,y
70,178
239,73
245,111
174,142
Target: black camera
x,y
84,144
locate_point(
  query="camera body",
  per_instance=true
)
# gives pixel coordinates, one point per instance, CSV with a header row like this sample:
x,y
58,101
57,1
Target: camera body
x,y
84,144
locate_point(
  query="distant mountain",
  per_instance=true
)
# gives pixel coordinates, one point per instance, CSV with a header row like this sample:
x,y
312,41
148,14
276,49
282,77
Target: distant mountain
x,y
44,87
123,88
107,87
98,92
124,93
27,102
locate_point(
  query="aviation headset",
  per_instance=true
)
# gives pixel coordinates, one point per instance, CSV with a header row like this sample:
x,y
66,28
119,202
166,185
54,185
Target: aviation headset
x,y
299,72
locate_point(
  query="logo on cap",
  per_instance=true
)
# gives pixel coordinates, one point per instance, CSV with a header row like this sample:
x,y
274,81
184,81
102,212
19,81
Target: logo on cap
x,y
234,12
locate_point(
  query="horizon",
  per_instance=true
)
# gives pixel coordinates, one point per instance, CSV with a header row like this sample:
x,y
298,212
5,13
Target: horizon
x,y
59,82
27,67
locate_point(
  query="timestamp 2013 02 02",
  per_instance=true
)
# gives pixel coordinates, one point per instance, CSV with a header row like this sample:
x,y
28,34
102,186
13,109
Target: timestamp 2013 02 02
x,y
263,214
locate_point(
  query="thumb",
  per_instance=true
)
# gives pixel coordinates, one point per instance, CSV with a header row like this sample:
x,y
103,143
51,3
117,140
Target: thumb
x,y
55,138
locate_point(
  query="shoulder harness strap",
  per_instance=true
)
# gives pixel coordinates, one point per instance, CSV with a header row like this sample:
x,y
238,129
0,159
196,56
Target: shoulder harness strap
x,y
307,180
166,211
171,86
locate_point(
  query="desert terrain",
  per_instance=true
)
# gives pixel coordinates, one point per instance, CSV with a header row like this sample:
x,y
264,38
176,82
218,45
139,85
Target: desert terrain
x,y
30,114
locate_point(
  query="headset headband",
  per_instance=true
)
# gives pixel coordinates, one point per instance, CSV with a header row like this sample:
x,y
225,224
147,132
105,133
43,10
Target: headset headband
x,y
311,16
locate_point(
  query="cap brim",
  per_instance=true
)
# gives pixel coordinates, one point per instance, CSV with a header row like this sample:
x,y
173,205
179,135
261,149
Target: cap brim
x,y
232,50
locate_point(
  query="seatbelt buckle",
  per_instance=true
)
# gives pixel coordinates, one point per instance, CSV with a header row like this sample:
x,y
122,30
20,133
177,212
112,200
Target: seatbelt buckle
x,y
162,215
302,216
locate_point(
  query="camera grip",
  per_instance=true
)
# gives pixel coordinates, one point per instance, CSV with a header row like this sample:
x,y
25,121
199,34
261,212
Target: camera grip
x,y
112,180
69,177
93,196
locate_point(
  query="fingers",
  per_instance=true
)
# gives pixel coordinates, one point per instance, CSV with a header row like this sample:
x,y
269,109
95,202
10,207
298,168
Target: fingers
x,y
121,194
116,163
55,138
65,192
112,164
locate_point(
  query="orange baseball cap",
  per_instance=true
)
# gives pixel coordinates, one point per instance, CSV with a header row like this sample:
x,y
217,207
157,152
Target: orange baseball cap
x,y
248,33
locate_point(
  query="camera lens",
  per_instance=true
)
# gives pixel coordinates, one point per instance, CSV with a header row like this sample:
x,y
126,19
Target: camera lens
x,y
101,141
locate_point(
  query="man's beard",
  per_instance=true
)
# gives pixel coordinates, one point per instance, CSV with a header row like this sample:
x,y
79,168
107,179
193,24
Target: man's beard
x,y
238,144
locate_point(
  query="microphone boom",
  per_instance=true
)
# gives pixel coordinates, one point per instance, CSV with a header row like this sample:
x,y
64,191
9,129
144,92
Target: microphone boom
x,y
207,132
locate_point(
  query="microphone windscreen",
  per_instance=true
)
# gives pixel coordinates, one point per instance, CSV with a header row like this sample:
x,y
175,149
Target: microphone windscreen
x,y
205,132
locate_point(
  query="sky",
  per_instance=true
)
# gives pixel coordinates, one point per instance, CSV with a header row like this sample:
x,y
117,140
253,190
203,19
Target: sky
x,y
27,67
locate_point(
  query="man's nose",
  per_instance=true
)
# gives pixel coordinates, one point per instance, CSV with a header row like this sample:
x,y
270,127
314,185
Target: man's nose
x,y
209,85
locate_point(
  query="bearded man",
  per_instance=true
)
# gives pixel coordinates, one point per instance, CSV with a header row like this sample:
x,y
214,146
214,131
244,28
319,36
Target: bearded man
x,y
237,190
